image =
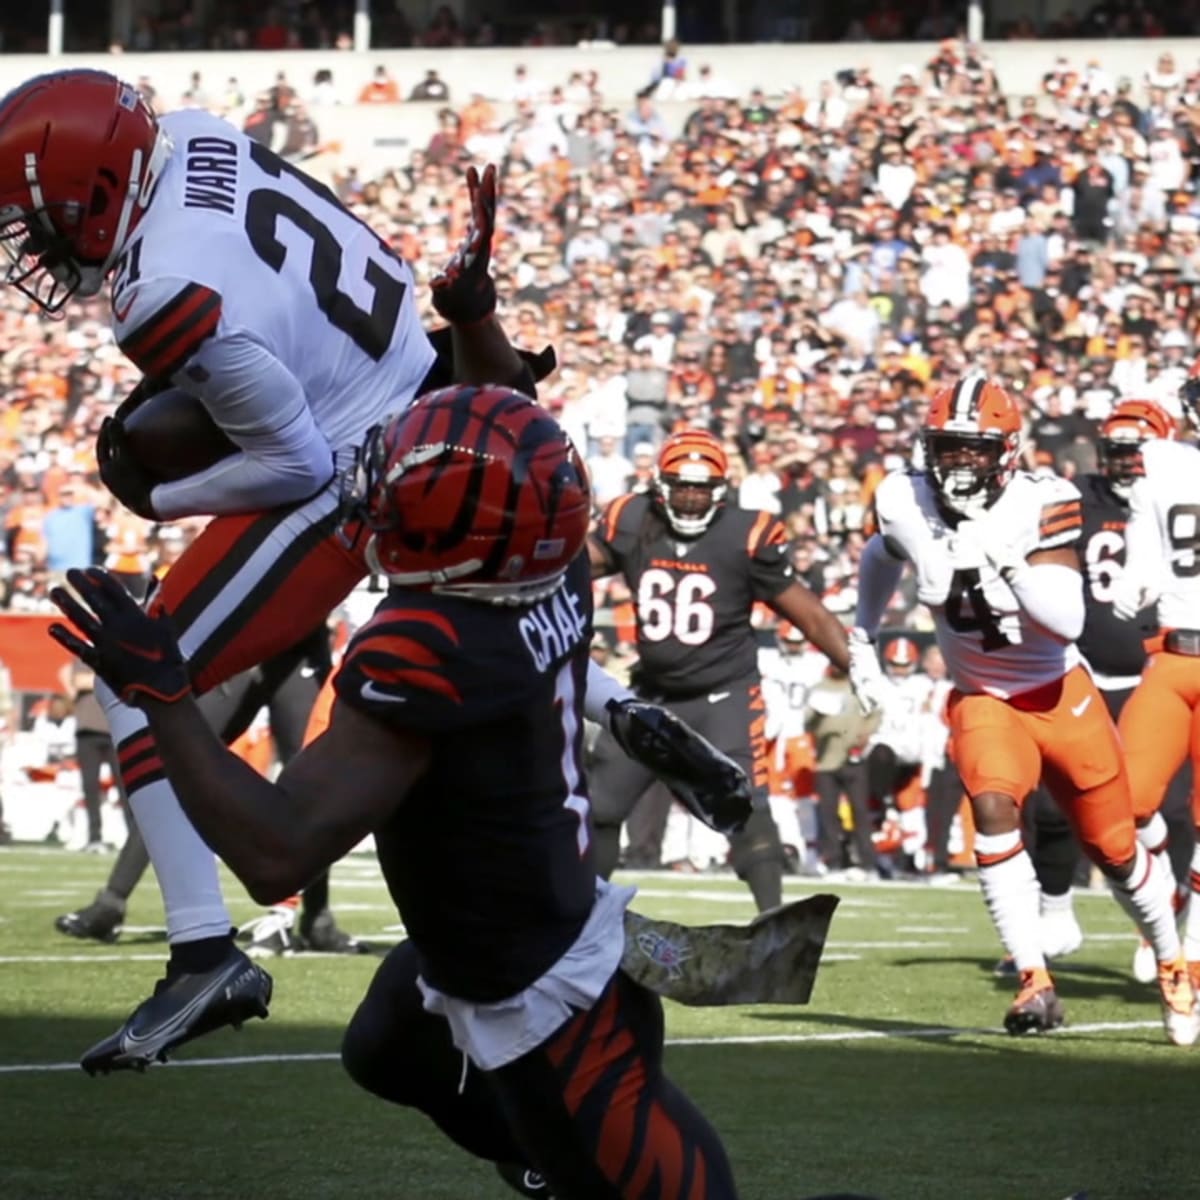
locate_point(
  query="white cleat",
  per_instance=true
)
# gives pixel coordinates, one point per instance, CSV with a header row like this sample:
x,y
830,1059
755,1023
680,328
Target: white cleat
x,y
1181,1015
1145,965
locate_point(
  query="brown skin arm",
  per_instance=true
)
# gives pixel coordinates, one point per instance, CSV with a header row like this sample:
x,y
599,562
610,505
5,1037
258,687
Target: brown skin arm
x,y
1063,556
276,837
483,353
803,608
598,556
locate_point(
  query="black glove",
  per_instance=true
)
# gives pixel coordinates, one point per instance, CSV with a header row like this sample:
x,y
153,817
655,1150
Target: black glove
x,y
121,472
135,653
711,785
146,387
464,292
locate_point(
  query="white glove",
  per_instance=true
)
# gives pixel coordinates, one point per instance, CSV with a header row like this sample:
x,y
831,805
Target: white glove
x,y
867,680
1129,597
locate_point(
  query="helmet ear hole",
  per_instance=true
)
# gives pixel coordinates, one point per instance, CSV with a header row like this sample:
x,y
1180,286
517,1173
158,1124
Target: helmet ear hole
x,y
99,203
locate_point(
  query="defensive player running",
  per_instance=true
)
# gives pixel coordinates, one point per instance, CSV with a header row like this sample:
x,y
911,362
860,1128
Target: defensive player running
x,y
244,283
1160,725
1115,653
696,566
460,705
994,554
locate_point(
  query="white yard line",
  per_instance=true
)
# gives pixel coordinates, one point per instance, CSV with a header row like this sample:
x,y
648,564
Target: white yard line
x,y
767,1039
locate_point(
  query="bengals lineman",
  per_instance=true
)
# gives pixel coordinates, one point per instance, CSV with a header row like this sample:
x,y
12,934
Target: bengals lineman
x,y
696,566
1160,724
460,704
993,549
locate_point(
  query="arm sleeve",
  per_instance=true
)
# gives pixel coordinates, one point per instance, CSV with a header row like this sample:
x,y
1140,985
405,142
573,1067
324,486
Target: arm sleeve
x,y
260,404
601,688
878,577
1052,595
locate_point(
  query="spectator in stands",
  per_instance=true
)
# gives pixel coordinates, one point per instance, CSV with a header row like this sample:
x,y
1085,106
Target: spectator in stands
x,y
432,87
381,88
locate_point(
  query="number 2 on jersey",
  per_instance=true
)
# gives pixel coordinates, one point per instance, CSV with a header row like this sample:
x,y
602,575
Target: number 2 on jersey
x,y
370,331
669,606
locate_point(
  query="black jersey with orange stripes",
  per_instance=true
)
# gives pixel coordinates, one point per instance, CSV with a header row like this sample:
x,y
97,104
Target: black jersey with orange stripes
x,y
693,596
488,858
1110,645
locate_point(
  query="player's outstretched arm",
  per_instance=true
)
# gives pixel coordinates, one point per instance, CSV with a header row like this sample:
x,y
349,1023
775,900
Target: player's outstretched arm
x,y
803,608
464,294
274,836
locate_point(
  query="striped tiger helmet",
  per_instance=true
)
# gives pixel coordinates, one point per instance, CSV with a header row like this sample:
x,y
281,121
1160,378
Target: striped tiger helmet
x,y
1119,449
971,437
472,491
690,478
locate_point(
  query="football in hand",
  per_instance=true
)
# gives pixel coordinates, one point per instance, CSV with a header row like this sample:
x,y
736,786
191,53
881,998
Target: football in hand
x,y
173,437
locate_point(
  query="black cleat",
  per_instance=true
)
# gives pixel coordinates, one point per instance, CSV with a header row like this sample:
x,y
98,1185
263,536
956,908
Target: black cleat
x,y
524,1181
185,1005
98,921
322,935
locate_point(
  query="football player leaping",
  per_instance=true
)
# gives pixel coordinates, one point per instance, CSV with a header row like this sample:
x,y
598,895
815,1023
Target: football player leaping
x,y
993,550
243,282
1160,724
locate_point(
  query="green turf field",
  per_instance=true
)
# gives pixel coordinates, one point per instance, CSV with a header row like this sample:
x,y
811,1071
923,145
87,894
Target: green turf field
x,y
889,1082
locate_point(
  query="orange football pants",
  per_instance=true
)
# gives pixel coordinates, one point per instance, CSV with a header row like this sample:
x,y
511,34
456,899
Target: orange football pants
x,y
790,763
250,587
1160,726
1060,733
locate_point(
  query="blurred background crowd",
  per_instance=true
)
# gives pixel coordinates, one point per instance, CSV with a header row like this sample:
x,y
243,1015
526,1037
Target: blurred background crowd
x,y
796,270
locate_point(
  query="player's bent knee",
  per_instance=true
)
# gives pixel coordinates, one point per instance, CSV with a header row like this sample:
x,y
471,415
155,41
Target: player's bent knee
x,y
995,812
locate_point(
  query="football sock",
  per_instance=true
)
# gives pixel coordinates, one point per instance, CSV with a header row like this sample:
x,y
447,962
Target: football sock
x,y
202,954
1055,857
1153,835
1191,937
1012,896
1057,905
1146,896
185,866
130,866
315,897
765,881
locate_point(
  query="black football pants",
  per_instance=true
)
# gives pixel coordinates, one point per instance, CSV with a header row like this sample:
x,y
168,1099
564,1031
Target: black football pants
x,y
733,719
590,1108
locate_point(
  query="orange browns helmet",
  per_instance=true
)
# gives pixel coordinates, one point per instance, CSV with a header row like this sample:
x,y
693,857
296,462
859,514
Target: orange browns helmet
x,y
901,653
1119,450
80,153
971,437
690,478
474,491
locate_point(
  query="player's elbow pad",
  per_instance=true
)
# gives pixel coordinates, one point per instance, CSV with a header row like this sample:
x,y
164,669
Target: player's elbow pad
x,y
1052,595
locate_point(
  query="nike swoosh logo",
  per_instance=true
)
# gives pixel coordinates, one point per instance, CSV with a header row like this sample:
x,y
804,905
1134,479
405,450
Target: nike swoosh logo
x,y
122,313
371,692
1080,708
717,697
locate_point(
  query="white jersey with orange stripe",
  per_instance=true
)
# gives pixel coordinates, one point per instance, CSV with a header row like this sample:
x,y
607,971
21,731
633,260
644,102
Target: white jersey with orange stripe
x,y
989,643
1163,535
249,285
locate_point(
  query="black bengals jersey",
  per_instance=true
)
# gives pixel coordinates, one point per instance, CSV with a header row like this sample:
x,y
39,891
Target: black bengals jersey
x,y
488,859
1110,645
693,597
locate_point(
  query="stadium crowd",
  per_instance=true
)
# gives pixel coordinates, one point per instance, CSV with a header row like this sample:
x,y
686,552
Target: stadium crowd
x,y
796,272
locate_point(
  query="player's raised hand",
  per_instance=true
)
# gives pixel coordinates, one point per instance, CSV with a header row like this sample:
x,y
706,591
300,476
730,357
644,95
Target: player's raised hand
x,y
135,653
464,293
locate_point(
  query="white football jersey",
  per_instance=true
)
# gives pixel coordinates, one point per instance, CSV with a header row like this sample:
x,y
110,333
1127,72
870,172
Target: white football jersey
x,y
900,720
787,681
248,285
988,642
1163,534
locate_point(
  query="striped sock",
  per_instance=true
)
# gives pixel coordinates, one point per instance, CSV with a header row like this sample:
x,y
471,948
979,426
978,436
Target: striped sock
x,y
1146,897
